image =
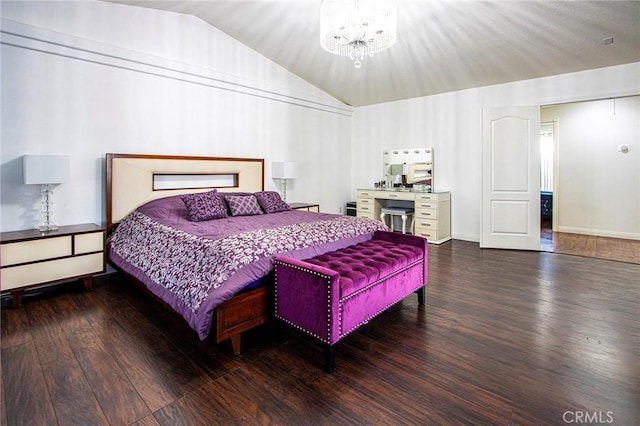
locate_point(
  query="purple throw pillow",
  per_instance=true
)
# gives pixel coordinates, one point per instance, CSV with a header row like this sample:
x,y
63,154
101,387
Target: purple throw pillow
x,y
243,205
271,202
204,205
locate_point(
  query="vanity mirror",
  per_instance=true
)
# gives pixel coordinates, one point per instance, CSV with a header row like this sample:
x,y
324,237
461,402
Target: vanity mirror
x,y
408,168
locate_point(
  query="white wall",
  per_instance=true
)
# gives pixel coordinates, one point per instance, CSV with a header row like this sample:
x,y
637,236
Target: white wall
x,y
87,78
597,188
451,123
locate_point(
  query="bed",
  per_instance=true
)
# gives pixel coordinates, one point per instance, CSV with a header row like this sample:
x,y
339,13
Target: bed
x,y
168,234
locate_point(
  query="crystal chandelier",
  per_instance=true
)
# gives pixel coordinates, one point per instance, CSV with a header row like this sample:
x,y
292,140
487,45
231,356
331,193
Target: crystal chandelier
x,y
356,28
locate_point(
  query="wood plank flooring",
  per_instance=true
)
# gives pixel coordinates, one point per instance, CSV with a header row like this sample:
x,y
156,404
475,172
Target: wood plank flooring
x,y
622,250
506,337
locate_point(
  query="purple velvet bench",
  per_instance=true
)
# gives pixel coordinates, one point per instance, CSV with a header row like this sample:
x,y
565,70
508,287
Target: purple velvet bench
x,y
331,295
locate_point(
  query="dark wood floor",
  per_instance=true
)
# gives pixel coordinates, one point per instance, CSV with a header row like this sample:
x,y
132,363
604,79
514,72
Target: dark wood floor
x,y
506,337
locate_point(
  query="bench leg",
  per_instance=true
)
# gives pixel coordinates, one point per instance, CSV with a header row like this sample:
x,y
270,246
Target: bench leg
x,y
281,332
422,295
329,359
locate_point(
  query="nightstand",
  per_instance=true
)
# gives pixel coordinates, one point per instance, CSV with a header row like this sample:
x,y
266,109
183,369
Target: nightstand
x,y
305,206
32,258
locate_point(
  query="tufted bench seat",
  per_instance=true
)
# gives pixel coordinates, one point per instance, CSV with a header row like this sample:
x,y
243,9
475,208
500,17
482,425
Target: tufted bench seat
x,y
332,294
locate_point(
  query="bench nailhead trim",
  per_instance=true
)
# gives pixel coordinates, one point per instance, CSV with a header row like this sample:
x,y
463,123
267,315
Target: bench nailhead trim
x,y
327,279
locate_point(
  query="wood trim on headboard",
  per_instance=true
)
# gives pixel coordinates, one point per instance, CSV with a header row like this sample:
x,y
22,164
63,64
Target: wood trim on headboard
x,y
137,188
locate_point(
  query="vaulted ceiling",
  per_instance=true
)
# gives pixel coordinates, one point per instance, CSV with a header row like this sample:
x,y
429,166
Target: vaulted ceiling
x,y
442,45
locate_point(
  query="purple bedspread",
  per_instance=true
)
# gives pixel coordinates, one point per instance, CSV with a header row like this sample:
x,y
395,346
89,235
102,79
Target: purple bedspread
x,y
195,266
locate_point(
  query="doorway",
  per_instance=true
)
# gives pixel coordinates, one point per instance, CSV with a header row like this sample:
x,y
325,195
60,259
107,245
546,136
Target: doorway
x,y
599,182
547,144
596,195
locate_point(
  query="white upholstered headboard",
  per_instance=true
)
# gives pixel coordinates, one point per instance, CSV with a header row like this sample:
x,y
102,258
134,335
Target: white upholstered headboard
x,y
133,179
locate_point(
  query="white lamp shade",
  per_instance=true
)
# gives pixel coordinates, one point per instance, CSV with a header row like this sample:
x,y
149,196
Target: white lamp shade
x,y
45,169
283,170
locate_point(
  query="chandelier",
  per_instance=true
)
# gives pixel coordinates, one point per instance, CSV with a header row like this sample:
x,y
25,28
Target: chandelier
x,y
357,28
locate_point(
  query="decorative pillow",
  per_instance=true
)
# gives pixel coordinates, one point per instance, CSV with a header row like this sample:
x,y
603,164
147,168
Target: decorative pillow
x,y
224,195
204,206
271,202
243,205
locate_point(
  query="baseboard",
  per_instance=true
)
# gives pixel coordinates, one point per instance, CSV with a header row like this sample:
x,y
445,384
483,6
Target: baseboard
x,y
599,233
466,237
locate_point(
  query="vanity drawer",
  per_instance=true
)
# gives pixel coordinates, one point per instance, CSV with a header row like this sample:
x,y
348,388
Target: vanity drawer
x,y
363,193
427,197
427,228
426,224
426,205
365,202
365,213
407,196
365,209
429,234
426,214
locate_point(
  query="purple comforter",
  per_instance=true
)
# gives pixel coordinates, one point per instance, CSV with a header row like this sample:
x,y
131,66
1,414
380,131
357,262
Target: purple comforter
x,y
195,266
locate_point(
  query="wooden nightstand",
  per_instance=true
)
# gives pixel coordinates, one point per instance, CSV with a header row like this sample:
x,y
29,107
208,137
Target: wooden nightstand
x,y
32,258
305,206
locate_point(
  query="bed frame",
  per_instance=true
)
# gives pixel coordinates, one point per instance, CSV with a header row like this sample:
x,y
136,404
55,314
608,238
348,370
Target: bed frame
x,y
133,179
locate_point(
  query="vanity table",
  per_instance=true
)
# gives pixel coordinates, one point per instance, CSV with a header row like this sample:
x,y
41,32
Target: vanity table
x,y
432,210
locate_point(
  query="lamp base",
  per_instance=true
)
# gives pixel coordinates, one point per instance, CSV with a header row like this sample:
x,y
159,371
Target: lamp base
x,y
48,228
47,210
284,190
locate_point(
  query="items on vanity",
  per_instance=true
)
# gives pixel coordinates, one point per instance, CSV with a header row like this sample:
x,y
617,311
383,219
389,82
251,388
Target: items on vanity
x,y
407,168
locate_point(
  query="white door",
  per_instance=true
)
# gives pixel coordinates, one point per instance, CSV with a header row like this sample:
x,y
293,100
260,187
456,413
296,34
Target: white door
x,y
511,178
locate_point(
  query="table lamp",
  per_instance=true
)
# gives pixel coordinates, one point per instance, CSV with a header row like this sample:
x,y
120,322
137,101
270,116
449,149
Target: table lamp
x,y
46,170
283,170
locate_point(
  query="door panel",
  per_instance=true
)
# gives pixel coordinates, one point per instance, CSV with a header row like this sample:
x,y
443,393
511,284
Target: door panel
x,y
511,178
509,217
511,157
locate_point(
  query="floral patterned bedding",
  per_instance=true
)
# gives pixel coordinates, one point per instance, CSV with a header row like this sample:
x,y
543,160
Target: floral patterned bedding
x,y
196,266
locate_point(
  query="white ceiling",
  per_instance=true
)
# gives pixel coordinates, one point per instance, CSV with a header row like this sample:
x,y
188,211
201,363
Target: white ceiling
x,y
442,45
